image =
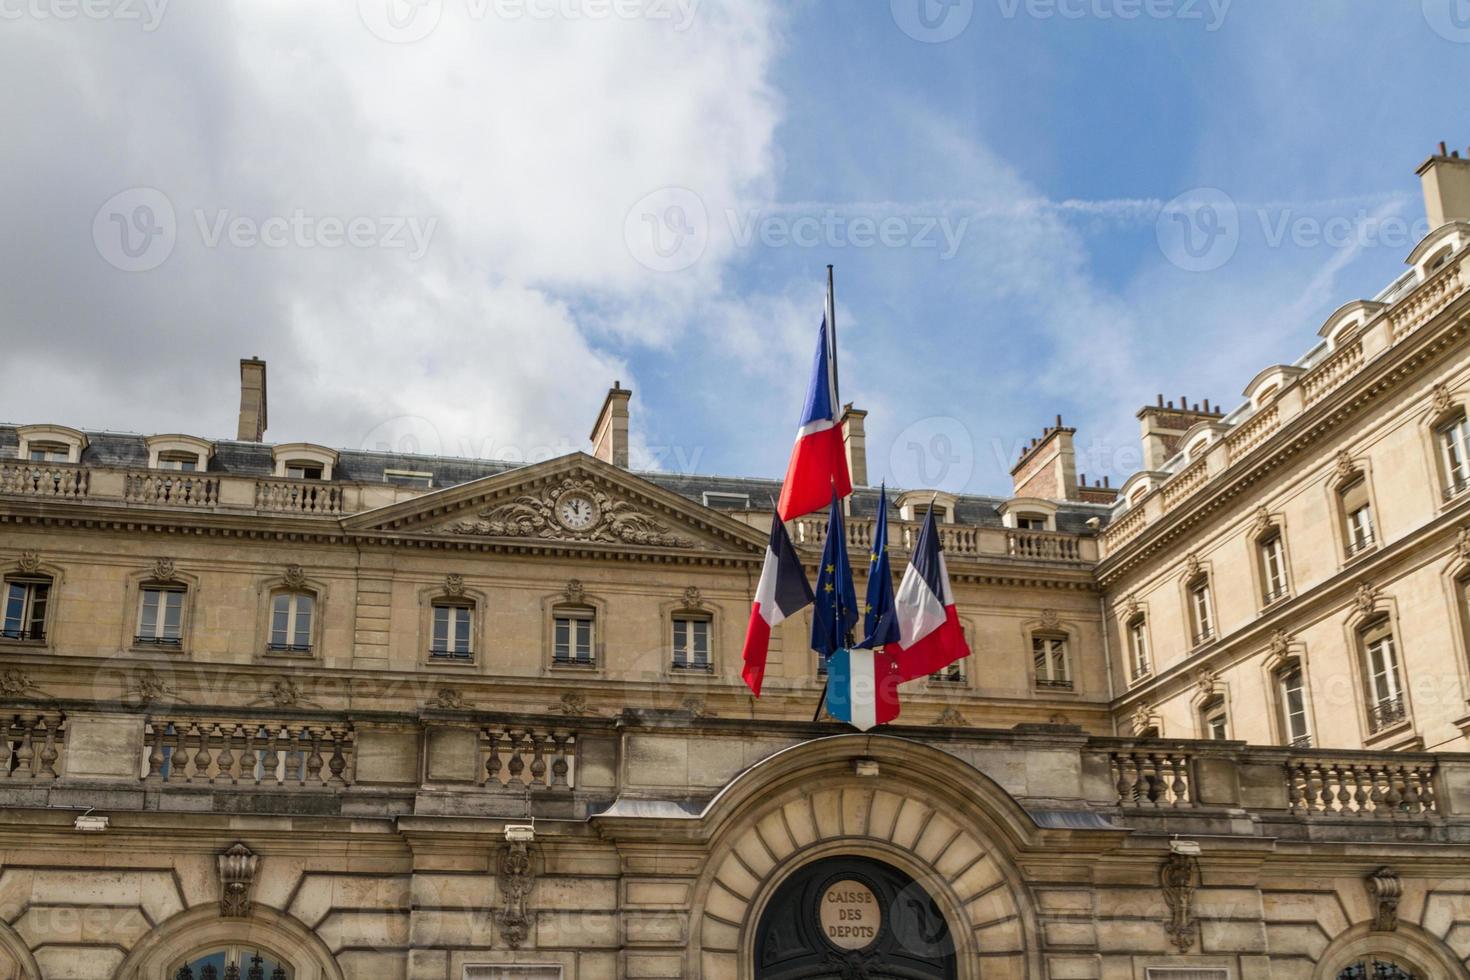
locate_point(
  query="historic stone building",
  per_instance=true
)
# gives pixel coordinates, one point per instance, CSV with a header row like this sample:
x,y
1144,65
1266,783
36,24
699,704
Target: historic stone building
x,y
285,711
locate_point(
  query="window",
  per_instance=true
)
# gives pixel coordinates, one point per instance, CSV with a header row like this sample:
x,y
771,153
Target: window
x,y
186,462
1291,688
1200,617
573,637
1049,654
417,479
1385,688
726,501
1273,567
691,644
1376,970
453,622
49,452
1454,441
1138,647
952,674
234,963
300,469
160,616
1031,522
25,608
1216,724
291,618
1357,517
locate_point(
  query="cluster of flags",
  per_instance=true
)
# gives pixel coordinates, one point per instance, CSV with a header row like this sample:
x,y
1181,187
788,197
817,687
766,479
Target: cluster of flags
x,y
912,633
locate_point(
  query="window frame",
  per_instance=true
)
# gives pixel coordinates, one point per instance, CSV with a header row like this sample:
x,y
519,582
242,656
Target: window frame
x,y
235,954
1140,648
1274,588
464,614
1281,677
1200,601
1386,703
29,582
159,641
689,665
1050,655
1452,440
575,615
293,630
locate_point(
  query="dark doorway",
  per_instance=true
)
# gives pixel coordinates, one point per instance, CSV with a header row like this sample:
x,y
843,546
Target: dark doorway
x,y
853,919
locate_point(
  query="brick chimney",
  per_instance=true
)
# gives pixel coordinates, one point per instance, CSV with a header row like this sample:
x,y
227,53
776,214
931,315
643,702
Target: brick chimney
x,y
1163,426
1446,181
855,439
1048,467
252,400
610,434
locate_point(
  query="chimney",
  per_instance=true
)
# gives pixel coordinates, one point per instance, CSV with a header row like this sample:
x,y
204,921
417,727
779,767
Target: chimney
x,y
1446,181
1163,426
855,439
252,400
610,434
1048,466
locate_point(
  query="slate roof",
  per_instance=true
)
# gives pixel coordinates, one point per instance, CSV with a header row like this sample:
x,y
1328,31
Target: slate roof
x,y
359,466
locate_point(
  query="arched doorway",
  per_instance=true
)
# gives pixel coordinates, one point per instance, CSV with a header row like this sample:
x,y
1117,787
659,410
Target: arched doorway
x,y
852,918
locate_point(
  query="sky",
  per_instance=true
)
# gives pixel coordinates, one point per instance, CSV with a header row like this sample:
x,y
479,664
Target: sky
x,y
450,225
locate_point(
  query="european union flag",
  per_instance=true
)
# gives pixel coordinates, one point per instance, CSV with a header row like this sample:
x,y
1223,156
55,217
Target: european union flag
x,y
880,622
835,611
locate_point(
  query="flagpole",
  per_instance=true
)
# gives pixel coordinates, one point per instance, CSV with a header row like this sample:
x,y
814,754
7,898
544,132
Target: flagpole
x,y
832,334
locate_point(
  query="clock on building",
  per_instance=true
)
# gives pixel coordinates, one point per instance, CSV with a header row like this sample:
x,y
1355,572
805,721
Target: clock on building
x,y
576,511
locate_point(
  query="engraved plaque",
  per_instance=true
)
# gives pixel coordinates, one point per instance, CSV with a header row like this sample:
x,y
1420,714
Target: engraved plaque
x,y
849,915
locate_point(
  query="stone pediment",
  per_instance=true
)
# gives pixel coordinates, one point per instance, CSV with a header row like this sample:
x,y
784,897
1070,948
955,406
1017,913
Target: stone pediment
x,y
574,500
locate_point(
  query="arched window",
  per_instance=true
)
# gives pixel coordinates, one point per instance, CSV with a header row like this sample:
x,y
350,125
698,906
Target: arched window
x,y
27,598
293,613
235,962
1376,969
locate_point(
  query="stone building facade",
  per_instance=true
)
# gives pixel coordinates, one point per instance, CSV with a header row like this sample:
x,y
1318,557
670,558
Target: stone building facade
x,y
290,711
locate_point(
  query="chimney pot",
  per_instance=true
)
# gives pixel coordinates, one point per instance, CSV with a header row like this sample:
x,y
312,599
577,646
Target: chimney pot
x,y
1443,150
253,420
1105,480
610,433
855,441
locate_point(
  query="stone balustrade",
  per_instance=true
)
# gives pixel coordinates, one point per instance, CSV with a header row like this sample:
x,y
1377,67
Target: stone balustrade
x,y
1155,779
1362,784
50,480
518,759
269,754
33,745
182,490
958,540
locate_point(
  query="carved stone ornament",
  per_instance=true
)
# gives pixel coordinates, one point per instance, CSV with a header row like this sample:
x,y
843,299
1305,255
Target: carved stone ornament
x,y
285,693
1050,619
449,699
1130,604
1141,716
1261,521
1365,599
515,878
575,705
295,577
1178,877
698,708
1440,398
454,584
164,570
1344,467
1191,565
1205,680
950,718
693,598
1462,543
575,592
607,519
1278,651
237,870
17,684
30,562
148,688
1384,891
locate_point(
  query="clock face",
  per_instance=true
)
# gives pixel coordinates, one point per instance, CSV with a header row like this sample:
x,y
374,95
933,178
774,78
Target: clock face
x,y
576,512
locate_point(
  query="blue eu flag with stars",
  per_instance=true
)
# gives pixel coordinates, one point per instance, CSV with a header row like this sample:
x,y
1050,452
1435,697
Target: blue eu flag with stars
x,y
835,610
880,620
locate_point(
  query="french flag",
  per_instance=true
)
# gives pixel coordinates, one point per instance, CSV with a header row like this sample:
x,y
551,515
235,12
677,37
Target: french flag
x,y
930,635
782,592
862,687
818,460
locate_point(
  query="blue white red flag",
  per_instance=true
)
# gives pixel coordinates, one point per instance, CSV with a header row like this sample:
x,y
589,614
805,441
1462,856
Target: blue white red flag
x,y
862,687
930,634
818,460
782,592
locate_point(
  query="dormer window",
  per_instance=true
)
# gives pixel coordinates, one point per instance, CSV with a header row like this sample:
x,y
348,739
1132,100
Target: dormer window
x,y
300,469
415,479
913,505
50,444
303,461
177,452
48,452
1031,522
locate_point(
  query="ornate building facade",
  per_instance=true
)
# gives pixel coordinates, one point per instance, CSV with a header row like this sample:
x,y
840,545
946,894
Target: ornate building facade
x,y
285,711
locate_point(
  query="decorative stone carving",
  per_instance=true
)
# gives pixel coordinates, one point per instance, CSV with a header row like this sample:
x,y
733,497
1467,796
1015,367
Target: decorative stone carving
x,y
1191,565
698,708
950,718
295,577
30,562
515,879
1205,680
535,516
1141,717
1366,599
575,592
1058,719
454,584
1278,651
148,687
237,869
17,684
1050,619
575,705
1261,521
1441,399
1130,604
449,699
693,598
1177,879
1344,467
285,693
1384,891
1462,543
164,570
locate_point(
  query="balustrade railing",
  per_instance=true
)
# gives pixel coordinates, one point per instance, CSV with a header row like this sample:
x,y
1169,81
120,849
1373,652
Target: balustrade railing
x,y
171,488
1360,786
33,744
1253,431
299,496
1421,305
1042,546
1326,377
266,754
1161,779
965,540
520,759
45,480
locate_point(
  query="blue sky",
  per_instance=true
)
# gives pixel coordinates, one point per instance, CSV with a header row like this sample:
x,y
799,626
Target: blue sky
x,y
506,165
